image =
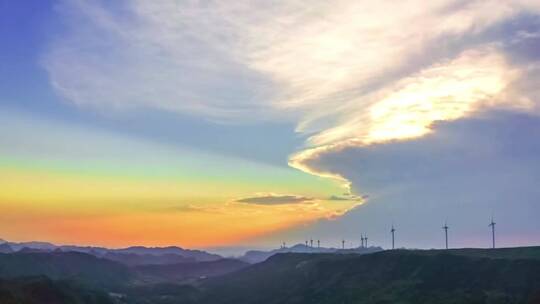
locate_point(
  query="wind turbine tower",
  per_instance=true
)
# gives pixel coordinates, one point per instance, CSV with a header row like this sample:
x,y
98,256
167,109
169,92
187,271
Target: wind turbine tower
x,y
342,244
311,243
361,240
492,225
445,227
318,243
393,230
365,241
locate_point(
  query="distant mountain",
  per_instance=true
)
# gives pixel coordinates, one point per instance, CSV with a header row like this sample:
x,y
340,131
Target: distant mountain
x,y
188,271
198,255
96,251
31,245
257,256
133,259
137,255
5,248
35,250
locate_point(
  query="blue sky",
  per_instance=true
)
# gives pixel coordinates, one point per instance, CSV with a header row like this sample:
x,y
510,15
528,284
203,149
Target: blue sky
x,y
27,30
414,113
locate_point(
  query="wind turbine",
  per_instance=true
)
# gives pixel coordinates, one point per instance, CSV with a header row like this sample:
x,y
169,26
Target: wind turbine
x,y
342,244
361,240
311,243
392,231
318,243
306,243
365,240
445,227
492,225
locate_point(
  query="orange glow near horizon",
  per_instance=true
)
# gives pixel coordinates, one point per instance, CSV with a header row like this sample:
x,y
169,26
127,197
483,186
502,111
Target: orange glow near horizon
x,y
231,225
112,212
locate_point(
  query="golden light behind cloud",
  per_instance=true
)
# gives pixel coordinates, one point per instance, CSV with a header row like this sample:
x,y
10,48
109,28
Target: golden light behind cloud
x,y
445,91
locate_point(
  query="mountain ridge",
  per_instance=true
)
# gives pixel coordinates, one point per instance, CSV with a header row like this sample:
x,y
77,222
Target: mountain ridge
x,y
469,275
257,256
174,254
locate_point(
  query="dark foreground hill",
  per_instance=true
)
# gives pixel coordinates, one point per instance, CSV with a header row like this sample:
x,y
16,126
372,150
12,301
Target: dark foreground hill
x,y
188,271
76,266
42,290
399,276
104,273
503,253
74,277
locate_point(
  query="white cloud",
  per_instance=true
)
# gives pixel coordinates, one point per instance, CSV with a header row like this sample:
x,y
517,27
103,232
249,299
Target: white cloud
x,y
463,172
347,72
407,109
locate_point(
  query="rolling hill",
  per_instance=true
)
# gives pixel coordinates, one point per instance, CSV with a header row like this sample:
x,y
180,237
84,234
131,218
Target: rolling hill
x,y
398,276
509,275
188,271
135,255
42,290
64,265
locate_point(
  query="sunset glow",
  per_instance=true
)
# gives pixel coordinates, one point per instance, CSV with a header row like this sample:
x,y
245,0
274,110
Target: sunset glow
x,y
222,124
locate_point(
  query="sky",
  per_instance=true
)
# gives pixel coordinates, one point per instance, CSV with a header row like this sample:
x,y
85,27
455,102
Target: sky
x,y
211,124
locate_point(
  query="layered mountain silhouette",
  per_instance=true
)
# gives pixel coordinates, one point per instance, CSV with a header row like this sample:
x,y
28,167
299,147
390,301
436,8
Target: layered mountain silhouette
x,y
136,255
361,275
188,271
41,289
257,256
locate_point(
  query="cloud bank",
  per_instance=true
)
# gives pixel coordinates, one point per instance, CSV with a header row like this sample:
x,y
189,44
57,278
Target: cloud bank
x,y
275,199
349,74
463,172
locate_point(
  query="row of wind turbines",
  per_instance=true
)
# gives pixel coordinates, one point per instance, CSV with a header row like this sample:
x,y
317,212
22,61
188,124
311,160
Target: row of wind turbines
x,y
445,228
364,238
309,243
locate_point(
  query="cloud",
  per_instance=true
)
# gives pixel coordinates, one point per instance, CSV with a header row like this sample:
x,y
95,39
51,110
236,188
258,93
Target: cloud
x,y
275,199
194,208
462,172
395,99
442,92
166,56
348,197
348,74
230,61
